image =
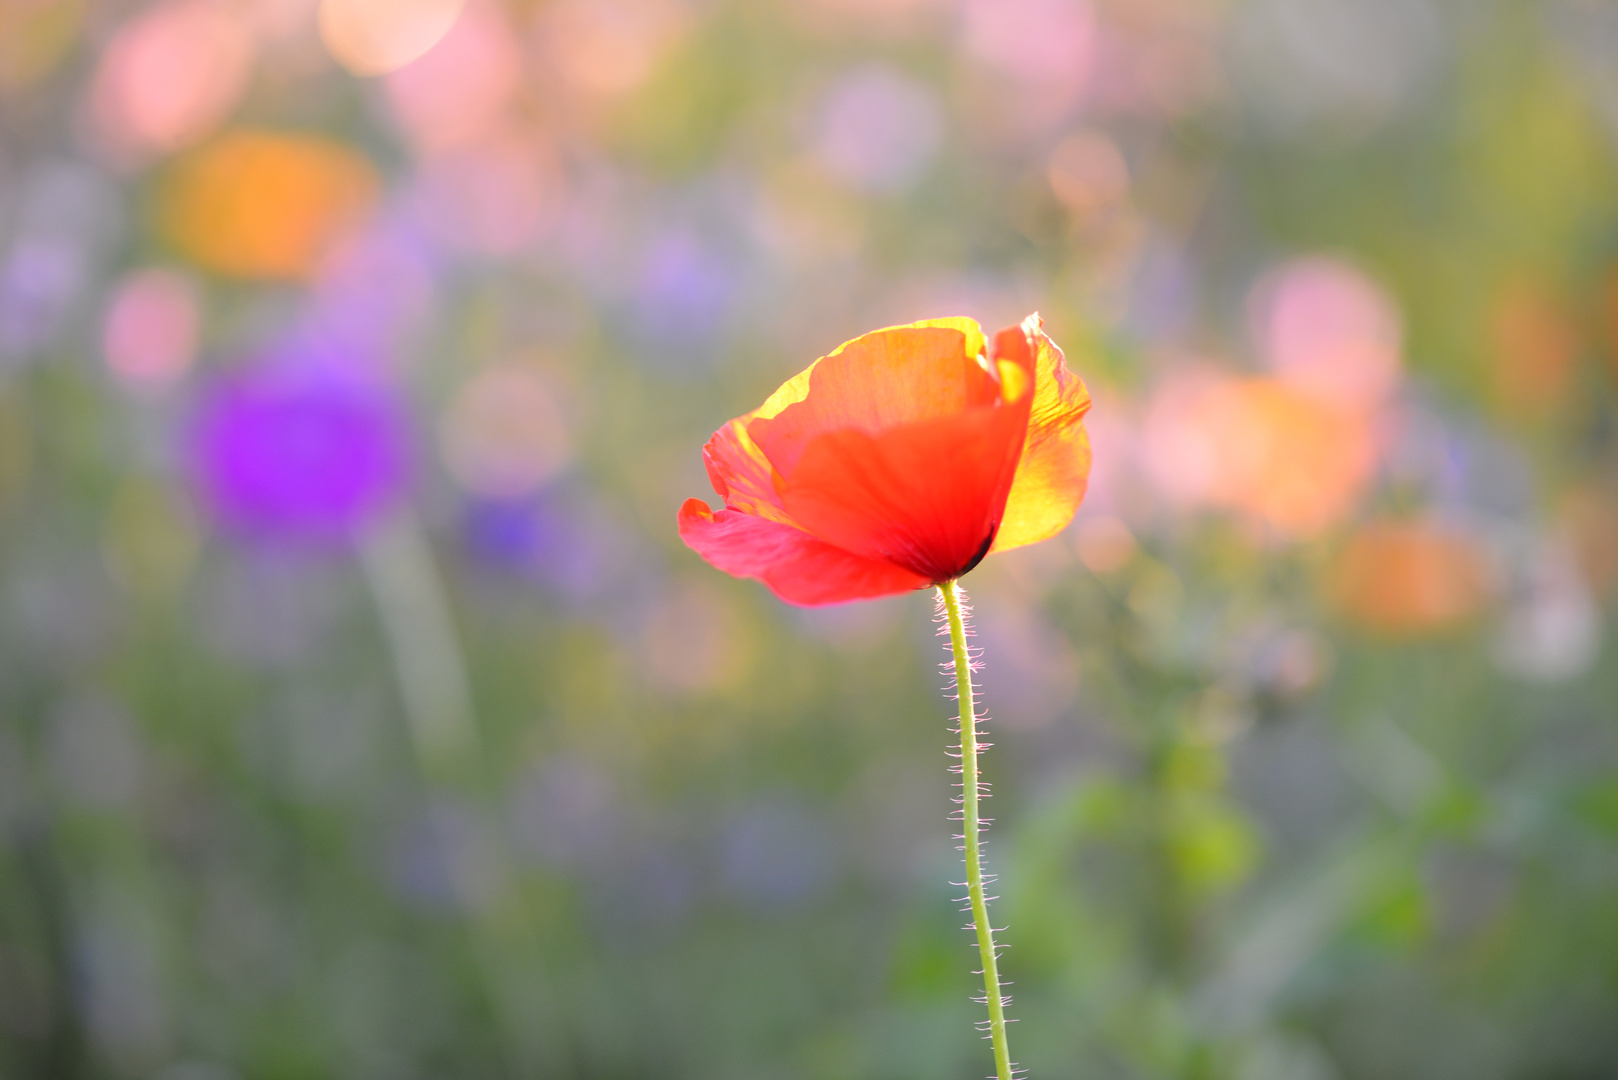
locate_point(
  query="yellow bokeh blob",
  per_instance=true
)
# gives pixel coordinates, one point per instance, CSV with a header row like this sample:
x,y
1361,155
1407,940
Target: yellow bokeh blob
x,y
264,205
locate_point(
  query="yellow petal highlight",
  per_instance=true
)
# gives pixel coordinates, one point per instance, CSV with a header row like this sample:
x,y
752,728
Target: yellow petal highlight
x,y
1055,467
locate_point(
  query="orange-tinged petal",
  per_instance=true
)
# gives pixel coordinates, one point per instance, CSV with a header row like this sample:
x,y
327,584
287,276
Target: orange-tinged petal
x,y
744,476
797,567
741,474
1055,464
880,381
926,495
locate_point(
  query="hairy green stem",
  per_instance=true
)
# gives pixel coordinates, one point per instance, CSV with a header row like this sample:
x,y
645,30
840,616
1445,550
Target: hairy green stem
x,y
972,827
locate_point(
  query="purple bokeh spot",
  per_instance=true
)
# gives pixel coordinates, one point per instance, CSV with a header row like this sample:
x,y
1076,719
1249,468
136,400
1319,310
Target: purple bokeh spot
x,y
299,455
561,539
37,284
502,533
683,296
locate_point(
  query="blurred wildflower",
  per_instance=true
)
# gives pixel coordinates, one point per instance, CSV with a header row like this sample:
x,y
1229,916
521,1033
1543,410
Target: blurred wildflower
x,y
504,434
1295,450
170,75
149,337
370,37
1294,461
464,86
1409,578
1329,331
898,461
566,540
39,281
298,455
878,130
259,204
1291,663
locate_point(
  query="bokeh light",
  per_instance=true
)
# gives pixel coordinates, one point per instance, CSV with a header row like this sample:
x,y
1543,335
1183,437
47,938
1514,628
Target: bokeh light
x,y
1291,459
168,77
370,37
1411,578
463,86
290,454
258,204
149,337
1330,331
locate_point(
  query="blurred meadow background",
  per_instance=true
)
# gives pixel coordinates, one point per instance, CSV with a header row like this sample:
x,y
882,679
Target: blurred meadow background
x,y
362,716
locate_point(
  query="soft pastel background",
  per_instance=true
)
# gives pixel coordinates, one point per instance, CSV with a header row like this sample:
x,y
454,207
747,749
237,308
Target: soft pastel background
x,y
362,716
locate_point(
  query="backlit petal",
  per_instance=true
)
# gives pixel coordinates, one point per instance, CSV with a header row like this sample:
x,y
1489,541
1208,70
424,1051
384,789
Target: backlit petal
x,y
877,363
1055,465
927,495
886,378
741,474
797,567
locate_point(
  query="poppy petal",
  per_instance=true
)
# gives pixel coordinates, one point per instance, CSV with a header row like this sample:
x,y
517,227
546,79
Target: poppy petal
x,y
1055,465
797,567
876,382
926,495
741,474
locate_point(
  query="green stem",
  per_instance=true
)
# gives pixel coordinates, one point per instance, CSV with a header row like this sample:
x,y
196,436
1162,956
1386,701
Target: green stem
x,y
970,795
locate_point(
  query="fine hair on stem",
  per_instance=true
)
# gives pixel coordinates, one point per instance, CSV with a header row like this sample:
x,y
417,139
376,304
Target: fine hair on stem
x,y
954,613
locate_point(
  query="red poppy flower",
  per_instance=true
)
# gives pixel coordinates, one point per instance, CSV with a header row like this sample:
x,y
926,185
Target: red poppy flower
x,y
897,462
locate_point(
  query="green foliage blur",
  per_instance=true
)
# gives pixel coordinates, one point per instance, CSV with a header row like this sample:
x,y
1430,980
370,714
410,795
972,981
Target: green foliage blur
x,y
455,763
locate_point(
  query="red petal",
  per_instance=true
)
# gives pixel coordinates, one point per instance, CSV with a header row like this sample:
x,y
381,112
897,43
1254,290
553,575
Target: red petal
x,y
926,495
797,567
1055,465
